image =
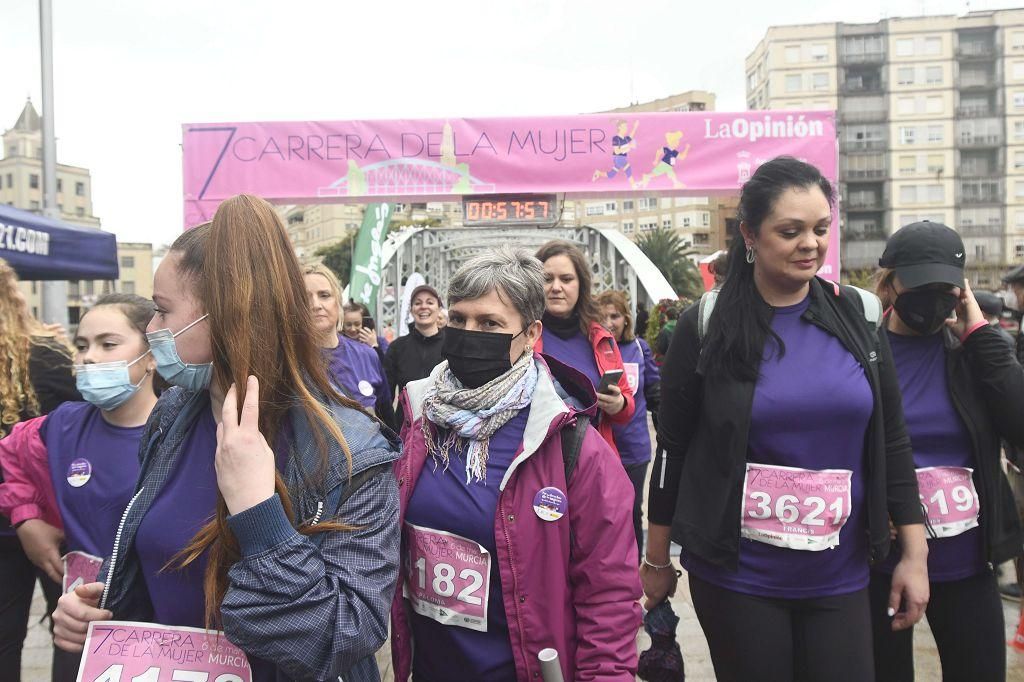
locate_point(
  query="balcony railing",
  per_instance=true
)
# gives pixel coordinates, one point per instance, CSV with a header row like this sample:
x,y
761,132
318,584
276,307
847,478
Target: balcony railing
x,y
981,230
862,250
978,111
976,82
874,57
863,174
975,198
863,145
967,171
864,116
852,88
865,203
980,141
976,50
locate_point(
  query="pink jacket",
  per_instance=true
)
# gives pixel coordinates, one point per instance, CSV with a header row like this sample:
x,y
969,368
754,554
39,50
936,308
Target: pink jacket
x,y
583,605
27,490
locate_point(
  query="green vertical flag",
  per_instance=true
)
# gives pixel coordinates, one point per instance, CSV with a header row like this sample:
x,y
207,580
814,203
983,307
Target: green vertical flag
x,y
367,260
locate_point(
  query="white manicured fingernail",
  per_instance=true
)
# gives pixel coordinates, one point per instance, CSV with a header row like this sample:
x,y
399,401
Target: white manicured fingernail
x,y
891,611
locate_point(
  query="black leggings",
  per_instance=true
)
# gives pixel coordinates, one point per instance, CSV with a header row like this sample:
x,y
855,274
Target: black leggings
x,y
966,618
768,639
637,475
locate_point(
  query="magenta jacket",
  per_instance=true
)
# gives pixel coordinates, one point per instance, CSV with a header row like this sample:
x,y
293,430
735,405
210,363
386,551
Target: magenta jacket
x,y
582,603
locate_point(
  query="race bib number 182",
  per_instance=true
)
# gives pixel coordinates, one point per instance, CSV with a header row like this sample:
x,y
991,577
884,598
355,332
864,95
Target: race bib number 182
x,y
143,652
447,577
795,508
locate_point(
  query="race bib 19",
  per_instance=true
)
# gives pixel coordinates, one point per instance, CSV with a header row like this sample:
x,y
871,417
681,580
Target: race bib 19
x,y
143,652
795,508
79,569
950,499
447,577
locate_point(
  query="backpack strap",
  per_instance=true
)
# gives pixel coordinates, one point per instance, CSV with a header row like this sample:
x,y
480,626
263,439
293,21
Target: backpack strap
x,y
870,306
572,443
704,310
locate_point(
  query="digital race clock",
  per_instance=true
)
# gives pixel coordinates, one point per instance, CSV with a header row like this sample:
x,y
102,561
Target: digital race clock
x,y
510,209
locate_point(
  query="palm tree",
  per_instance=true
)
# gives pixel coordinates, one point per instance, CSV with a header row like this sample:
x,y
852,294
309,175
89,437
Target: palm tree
x,y
666,250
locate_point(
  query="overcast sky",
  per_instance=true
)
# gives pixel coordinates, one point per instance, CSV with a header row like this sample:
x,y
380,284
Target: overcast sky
x,y
129,73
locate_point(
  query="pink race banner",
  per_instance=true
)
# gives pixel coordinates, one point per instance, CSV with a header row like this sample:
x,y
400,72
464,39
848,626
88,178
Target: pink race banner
x,y
122,651
592,155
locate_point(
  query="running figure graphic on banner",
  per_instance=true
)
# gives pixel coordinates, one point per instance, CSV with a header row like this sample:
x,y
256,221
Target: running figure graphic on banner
x,y
621,146
665,160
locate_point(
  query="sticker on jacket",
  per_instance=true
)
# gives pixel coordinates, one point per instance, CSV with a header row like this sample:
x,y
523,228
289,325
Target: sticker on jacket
x,y
795,508
122,651
80,569
447,577
632,370
949,498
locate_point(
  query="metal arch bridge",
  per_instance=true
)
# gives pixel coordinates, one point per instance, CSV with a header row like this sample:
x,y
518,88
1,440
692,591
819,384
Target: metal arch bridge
x,y
436,253
404,176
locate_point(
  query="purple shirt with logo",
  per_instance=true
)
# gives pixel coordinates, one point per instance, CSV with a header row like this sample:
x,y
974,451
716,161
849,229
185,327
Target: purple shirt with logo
x,y
444,501
357,368
633,438
938,437
79,441
811,411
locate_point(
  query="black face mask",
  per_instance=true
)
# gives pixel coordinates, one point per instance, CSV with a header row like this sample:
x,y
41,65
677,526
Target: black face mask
x,y
925,311
476,358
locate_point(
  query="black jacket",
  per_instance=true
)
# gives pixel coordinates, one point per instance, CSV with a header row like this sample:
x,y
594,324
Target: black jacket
x,y
986,385
411,357
697,482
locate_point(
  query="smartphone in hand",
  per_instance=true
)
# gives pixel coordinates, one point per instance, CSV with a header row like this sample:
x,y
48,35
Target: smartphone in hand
x,y
610,377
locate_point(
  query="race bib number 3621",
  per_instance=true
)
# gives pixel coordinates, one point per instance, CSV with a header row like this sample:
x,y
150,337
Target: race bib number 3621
x,y
447,577
795,508
142,652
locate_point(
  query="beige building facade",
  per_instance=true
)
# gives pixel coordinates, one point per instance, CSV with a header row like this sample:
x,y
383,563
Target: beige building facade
x,y
21,186
930,121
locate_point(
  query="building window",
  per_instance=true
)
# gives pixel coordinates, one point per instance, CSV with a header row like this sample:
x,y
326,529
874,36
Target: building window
x,y
908,194
127,261
933,105
79,211
705,219
80,189
627,226
793,54
128,287
10,180
595,210
935,133
1018,100
905,105
74,288
1018,160
932,46
907,135
1018,70
905,47
34,205
936,163
908,165
666,223
794,83
819,52
33,181
609,207
627,205
1018,250
700,238
1018,189
12,150
649,225
936,194
820,81
1018,130
90,287
905,75
933,75
60,185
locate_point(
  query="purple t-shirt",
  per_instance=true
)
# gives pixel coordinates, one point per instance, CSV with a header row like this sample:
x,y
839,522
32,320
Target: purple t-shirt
x,y
444,501
811,411
575,351
187,501
633,439
939,437
357,368
94,466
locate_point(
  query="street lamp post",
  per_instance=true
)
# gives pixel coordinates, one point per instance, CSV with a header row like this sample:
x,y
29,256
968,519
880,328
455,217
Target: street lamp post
x,y
54,294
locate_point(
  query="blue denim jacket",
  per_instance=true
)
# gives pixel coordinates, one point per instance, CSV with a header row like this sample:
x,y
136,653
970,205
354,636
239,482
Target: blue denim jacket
x,y
317,606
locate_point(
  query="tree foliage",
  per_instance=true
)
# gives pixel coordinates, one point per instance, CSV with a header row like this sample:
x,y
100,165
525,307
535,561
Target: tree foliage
x,y
666,250
337,257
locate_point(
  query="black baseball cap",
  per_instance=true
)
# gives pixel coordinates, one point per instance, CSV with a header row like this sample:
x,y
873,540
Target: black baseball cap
x,y
1014,276
925,253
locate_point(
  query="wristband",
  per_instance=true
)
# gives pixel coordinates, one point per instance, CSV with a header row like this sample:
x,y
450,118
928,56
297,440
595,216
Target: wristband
x,y
973,328
656,566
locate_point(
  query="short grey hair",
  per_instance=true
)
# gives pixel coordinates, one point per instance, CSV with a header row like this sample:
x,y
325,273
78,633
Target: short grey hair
x,y
514,272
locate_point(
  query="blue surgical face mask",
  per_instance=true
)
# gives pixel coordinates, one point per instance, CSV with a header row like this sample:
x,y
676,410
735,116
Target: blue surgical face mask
x,y
169,364
107,385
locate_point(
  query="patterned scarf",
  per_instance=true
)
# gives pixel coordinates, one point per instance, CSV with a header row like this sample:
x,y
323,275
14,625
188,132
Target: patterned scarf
x,y
474,414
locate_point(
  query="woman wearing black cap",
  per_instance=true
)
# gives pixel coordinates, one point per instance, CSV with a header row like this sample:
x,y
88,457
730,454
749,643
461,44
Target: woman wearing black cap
x,y
962,391
412,356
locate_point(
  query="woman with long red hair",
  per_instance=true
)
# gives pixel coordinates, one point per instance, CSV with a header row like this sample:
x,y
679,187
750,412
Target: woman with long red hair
x,y
266,504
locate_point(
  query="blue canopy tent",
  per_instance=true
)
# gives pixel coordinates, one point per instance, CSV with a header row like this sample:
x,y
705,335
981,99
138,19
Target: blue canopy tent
x,y
40,248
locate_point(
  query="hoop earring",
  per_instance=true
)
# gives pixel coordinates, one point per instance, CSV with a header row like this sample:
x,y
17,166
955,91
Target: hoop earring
x,y
751,256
